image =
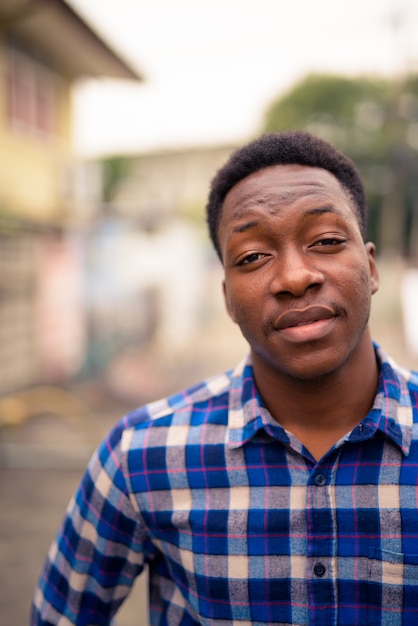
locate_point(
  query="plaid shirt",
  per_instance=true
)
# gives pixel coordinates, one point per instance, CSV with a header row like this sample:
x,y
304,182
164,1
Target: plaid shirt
x,y
237,522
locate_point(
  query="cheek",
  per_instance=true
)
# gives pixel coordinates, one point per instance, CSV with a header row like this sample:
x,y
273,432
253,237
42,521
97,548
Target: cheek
x,y
237,310
241,302
363,281
355,276
230,302
355,286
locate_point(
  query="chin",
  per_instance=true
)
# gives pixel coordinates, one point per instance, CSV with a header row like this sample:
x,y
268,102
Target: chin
x,y
315,367
312,377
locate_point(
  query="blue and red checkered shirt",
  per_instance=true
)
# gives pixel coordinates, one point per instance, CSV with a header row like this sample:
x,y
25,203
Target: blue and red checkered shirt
x,y
237,522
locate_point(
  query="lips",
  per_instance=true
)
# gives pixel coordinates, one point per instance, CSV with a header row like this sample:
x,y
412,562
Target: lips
x,y
302,317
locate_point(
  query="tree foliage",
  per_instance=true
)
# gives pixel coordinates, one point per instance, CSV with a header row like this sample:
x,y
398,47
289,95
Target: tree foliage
x,y
375,122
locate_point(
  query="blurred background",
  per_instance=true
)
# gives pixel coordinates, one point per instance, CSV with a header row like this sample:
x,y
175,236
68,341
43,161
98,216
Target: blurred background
x,y
114,116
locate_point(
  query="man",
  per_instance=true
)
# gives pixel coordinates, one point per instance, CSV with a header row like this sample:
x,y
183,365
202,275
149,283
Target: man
x,y
284,491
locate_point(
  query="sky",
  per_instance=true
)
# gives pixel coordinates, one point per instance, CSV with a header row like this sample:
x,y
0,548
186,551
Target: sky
x,y
212,67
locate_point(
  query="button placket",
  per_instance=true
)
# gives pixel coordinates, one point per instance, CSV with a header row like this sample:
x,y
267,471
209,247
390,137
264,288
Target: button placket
x,y
321,583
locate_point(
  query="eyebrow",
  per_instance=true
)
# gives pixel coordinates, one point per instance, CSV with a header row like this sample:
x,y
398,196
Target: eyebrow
x,y
321,210
241,228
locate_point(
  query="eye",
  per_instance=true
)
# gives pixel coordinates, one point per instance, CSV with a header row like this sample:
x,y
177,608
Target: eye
x,y
328,242
251,258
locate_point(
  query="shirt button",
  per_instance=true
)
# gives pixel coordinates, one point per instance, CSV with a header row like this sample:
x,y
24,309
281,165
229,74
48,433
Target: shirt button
x,y
319,569
320,480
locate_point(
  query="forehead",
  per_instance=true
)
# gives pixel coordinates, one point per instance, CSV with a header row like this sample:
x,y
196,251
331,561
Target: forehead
x,y
280,185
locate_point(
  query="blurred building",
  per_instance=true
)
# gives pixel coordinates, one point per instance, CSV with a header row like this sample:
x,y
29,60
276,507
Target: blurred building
x,y
153,280
45,46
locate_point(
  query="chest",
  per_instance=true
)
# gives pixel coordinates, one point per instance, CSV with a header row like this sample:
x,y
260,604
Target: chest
x,y
269,499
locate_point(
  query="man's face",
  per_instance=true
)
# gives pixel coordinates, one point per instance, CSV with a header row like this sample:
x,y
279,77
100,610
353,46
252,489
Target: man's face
x,y
298,276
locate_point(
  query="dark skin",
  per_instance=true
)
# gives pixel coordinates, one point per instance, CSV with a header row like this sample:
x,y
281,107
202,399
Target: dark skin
x,y
298,282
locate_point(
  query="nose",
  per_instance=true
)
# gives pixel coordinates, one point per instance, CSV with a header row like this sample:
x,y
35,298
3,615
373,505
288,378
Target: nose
x,y
294,274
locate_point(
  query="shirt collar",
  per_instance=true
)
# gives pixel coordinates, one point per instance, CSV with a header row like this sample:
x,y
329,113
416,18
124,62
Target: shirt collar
x,y
391,414
247,413
392,411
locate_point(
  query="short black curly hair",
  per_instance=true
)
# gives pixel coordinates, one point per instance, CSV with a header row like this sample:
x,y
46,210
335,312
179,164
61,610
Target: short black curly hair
x,y
281,148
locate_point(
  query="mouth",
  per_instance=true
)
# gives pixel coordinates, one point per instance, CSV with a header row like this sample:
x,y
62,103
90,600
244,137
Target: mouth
x,y
303,317
308,324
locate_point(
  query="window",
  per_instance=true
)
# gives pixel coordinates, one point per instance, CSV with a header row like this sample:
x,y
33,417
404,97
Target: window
x,y
31,95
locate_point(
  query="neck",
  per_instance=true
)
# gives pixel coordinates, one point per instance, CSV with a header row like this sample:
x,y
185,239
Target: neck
x,y
320,411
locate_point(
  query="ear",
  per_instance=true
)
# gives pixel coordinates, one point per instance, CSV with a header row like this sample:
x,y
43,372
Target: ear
x,y
374,274
227,303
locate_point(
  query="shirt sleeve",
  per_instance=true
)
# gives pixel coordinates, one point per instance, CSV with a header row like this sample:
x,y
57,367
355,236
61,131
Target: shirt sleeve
x,y
98,551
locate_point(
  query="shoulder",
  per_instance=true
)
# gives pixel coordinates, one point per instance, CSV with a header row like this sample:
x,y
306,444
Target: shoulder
x,y
395,374
406,379
188,406
400,386
161,441
196,415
